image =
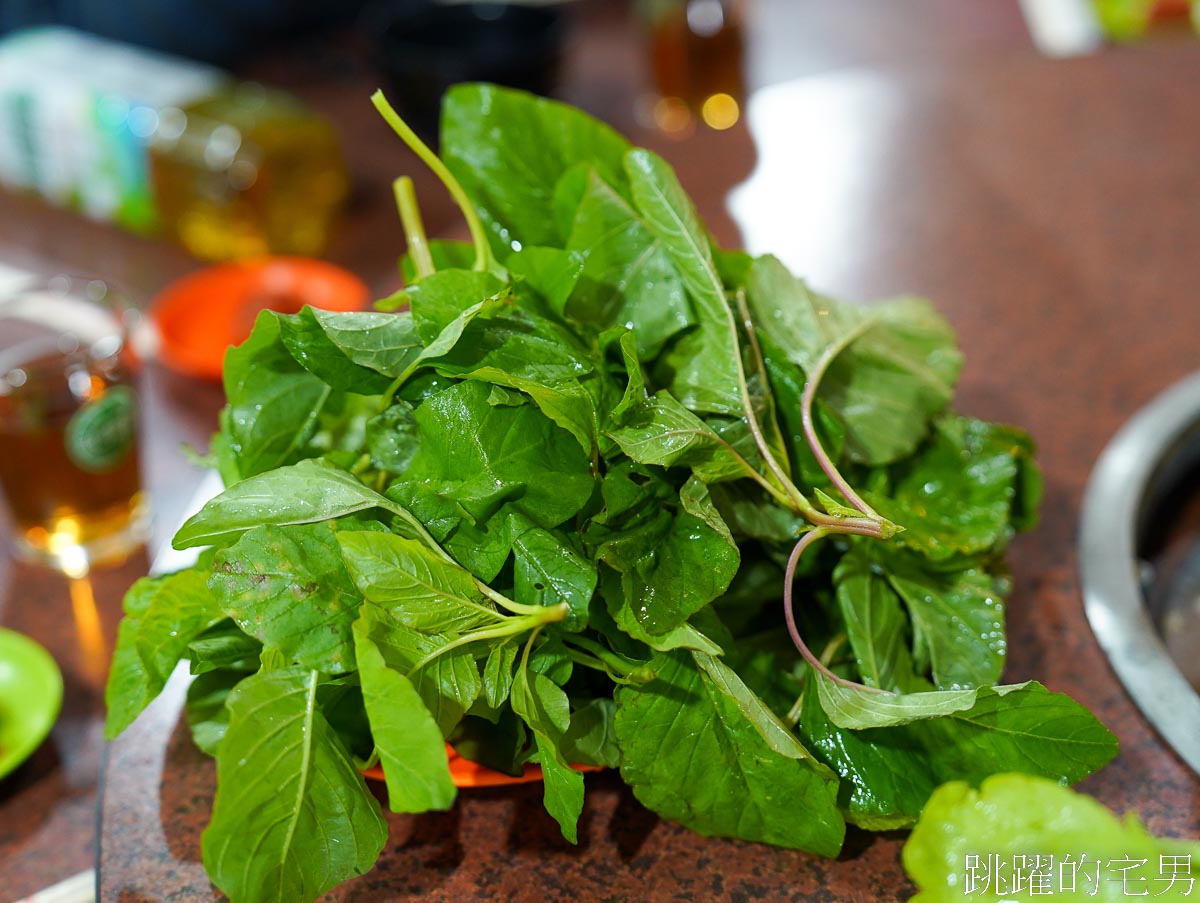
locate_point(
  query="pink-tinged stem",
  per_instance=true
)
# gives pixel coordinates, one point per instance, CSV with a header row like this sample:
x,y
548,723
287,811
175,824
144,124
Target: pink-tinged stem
x,y
814,442
789,615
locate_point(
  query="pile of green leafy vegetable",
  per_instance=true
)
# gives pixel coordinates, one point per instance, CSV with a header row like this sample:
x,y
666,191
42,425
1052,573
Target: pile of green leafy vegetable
x,y
559,501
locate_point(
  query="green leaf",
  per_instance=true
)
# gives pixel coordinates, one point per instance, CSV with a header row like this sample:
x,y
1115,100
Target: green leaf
x,y
875,622
509,149
292,817
299,494
410,744
704,361
288,588
897,369
964,834
164,614
442,299
478,462
207,714
313,346
223,646
703,751
543,706
530,353
417,587
958,494
274,402
590,738
498,672
956,611
392,438
628,276
855,709
552,272
547,571
673,565
958,616
889,772
659,430
448,685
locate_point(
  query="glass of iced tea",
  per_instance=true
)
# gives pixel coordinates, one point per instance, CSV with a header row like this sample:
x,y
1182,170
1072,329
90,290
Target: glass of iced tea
x,y
68,424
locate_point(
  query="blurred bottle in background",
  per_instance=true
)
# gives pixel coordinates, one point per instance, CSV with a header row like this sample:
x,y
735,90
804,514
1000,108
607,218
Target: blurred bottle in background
x,y
246,172
697,49
164,145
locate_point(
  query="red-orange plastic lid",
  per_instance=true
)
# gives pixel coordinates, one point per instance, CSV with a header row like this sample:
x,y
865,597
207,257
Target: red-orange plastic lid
x,y
466,773
201,315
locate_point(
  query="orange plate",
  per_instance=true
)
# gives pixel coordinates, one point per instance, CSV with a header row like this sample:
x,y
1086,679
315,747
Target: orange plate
x,y
466,773
201,315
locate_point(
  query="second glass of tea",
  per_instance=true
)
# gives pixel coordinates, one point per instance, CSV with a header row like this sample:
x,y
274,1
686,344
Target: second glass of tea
x,y
69,465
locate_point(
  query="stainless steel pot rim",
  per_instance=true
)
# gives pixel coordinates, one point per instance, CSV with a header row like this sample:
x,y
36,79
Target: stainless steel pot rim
x,y
1113,504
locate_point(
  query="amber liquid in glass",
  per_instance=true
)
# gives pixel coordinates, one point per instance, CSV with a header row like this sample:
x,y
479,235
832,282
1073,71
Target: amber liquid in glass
x,y
69,510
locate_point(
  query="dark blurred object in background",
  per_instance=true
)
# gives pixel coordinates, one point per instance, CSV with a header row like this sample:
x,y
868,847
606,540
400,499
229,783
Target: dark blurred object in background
x,y
424,47
697,49
215,30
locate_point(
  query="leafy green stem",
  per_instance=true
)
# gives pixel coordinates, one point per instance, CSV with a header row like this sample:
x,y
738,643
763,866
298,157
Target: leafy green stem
x,y
789,615
760,441
484,261
508,604
609,660
414,228
509,627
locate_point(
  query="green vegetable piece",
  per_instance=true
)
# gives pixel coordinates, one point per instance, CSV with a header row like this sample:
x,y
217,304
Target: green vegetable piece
x,y
207,714
958,495
889,772
543,706
392,438
288,588
302,493
479,462
299,798
660,430
704,361
552,272
590,739
896,362
549,572
163,615
418,588
875,623
410,744
699,748
956,609
498,672
676,565
224,646
509,149
274,402
448,684
331,346
628,276
963,831
525,351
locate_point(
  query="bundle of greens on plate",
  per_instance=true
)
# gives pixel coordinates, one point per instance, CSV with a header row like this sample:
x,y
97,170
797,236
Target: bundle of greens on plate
x,y
591,490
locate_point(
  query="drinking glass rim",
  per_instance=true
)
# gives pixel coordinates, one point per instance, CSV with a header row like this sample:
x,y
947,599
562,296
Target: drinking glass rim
x,y
94,338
